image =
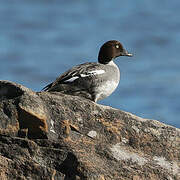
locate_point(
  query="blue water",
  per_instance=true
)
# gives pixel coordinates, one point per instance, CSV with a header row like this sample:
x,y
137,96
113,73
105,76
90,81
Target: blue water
x,y
41,39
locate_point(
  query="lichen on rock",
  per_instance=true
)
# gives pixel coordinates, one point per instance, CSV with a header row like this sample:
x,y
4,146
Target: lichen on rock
x,y
56,136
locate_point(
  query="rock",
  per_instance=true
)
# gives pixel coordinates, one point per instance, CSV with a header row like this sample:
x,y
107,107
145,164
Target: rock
x,y
56,136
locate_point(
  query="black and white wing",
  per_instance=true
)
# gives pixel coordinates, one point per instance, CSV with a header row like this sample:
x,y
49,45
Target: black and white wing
x,y
76,74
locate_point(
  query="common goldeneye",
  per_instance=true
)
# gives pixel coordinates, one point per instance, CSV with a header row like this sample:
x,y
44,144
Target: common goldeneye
x,y
93,80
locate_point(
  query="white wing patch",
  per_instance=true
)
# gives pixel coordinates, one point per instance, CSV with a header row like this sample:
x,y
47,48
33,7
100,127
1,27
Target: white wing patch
x,y
95,72
72,79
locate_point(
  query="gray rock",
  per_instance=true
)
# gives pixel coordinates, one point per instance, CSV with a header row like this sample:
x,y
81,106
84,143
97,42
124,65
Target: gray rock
x,y
56,136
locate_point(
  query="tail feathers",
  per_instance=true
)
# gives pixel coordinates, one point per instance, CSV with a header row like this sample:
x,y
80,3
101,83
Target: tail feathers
x,y
66,89
47,87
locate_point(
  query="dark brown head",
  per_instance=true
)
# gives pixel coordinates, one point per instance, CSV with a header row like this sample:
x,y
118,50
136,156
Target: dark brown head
x,y
110,50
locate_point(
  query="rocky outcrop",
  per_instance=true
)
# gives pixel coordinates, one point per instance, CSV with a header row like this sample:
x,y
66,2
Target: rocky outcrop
x,y
56,136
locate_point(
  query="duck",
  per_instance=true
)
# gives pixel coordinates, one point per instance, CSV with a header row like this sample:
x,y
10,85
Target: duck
x,y
92,80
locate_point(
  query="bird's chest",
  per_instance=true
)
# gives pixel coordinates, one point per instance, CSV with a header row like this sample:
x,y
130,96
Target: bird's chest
x,y
106,88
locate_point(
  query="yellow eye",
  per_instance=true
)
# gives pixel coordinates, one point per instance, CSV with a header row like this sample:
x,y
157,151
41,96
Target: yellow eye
x,y
117,46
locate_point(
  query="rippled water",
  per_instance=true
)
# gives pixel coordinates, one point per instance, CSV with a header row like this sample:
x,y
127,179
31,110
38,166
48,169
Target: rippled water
x,y
41,39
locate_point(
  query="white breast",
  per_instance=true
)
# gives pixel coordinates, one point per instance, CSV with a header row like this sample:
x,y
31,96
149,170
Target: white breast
x,y
106,89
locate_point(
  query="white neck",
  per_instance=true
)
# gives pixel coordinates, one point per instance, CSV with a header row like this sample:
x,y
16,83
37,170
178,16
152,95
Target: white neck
x,y
111,63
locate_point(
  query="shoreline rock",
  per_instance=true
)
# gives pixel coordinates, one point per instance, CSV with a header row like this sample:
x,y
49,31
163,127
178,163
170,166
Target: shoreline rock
x,y
56,136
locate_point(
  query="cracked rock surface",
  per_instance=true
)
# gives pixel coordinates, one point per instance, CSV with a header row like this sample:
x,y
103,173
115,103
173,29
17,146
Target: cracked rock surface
x,y
55,136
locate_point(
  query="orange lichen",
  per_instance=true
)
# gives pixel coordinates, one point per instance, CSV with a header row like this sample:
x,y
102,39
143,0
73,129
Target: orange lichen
x,y
65,125
10,129
113,127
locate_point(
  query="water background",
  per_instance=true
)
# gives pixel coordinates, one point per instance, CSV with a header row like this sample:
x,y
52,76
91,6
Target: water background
x,y
41,39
